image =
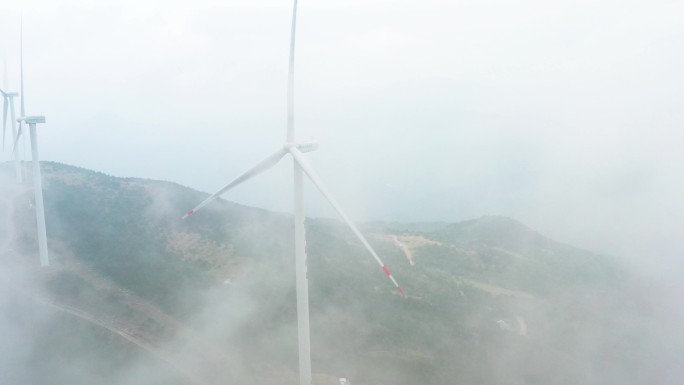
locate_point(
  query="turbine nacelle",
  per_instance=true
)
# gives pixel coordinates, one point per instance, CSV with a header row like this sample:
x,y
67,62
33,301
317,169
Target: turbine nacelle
x,y
32,119
9,94
303,146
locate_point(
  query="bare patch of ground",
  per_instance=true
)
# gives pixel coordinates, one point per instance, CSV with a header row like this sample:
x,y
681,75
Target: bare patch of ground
x,y
407,243
404,248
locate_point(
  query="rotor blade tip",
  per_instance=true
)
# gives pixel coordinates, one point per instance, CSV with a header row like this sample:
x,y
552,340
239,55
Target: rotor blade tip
x,y
401,291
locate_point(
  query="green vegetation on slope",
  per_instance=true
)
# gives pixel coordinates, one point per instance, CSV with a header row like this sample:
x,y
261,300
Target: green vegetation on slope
x,y
490,300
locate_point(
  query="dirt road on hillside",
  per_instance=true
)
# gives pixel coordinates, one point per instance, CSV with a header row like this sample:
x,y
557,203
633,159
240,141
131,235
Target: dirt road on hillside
x,y
126,336
404,248
107,306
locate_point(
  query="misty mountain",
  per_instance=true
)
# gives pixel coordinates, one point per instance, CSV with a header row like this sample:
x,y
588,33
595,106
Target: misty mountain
x,y
135,296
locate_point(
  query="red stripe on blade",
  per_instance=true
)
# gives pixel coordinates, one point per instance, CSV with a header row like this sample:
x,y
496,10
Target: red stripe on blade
x,y
386,270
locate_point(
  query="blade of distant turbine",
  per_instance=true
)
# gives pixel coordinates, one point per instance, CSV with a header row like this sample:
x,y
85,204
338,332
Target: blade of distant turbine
x,y
21,65
5,83
17,162
311,173
256,170
16,140
290,79
4,120
5,100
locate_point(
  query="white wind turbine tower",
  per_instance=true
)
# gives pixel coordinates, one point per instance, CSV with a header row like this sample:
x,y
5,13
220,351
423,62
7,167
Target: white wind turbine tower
x,y
37,180
8,103
301,166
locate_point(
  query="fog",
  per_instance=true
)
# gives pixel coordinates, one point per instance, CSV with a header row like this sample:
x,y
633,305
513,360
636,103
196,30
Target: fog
x,y
566,116
563,115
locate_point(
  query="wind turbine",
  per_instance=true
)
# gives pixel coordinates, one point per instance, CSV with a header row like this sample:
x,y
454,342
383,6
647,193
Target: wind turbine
x,y
8,102
301,167
37,180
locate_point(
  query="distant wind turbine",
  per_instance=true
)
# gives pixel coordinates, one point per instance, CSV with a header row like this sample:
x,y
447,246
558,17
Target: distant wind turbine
x,y
8,103
37,180
301,167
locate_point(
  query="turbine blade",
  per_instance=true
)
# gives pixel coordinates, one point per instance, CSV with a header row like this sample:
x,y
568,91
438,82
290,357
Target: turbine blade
x,y
4,121
21,64
256,170
5,83
311,173
16,140
290,78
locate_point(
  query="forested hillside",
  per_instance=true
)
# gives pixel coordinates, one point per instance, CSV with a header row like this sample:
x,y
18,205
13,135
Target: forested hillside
x,y
133,295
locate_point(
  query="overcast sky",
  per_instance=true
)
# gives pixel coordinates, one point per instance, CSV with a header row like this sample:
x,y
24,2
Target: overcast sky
x,y
565,115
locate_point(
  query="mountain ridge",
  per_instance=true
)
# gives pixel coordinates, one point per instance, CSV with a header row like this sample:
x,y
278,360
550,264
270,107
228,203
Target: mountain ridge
x,y
490,286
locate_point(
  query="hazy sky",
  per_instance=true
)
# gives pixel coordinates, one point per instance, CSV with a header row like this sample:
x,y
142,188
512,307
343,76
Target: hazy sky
x,y
565,115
